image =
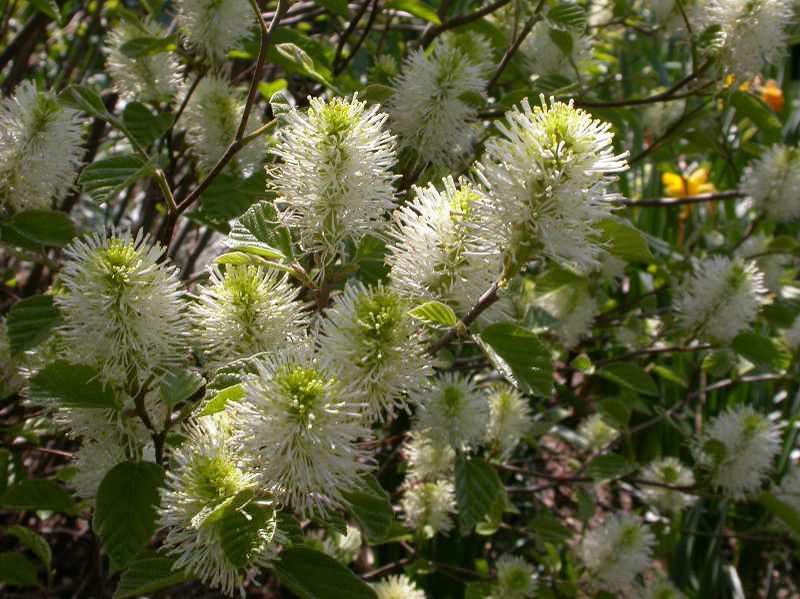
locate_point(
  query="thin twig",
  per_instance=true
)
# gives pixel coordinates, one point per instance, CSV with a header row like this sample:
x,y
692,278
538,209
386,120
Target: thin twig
x,y
669,202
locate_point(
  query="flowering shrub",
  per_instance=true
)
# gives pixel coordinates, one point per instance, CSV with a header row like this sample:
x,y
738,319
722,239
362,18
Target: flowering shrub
x,y
399,299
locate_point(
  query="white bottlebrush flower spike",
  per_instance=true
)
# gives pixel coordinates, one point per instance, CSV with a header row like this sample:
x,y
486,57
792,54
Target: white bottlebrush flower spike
x,y
754,33
597,433
772,265
738,448
721,298
509,418
123,311
335,174
617,552
213,27
149,78
516,578
397,587
453,408
39,150
667,471
428,109
428,457
246,310
544,57
773,182
436,252
212,117
428,505
370,340
343,547
299,427
575,308
93,461
548,174
207,495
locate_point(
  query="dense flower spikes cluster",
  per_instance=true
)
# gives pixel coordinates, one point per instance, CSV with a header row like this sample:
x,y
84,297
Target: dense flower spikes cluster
x,y
214,27
335,173
547,175
773,182
39,150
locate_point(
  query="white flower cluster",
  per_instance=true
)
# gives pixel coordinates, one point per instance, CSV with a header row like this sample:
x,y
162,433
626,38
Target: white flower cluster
x,y
548,175
510,418
214,27
773,182
721,298
39,150
738,448
516,578
397,587
430,110
667,473
544,56
335,176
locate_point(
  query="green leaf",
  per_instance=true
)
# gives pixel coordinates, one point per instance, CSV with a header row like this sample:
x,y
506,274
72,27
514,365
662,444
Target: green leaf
x,y
125,516
567,16
371,507
606,467
229,197
30,321
522,353
549,529
377,93
259,232
755,109
148,573
416,8
311,574
88,100
180,386
782,510
221,399
33,541
34,495
719,362
337,7
762,351
148,46
583,363
241,530
48,7
616,410
104,179
435,312
369,257
477,488
299,61
624,241
71,386
629,375
145,126
35,228
17,570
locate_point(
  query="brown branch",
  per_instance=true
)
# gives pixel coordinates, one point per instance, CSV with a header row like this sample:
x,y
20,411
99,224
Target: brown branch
x,y
486,300
535,18
669,202
351,27
431,33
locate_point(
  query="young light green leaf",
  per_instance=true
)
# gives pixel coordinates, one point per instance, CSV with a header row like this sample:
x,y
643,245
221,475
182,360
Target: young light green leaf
x,y
180,385
567,16
416,8
30,321
258,232
221,399
435,313
762,351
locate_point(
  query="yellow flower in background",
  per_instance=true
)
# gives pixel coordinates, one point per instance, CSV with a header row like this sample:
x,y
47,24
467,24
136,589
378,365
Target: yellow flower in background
x,y
772,94
731,79
680,186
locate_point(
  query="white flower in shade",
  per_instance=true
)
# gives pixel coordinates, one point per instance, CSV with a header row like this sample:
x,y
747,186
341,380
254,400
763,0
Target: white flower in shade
x,y
597,433
516,578
789,489
344,547
152,78
247,310
543,56
299,425
428,506
548,175
667,471
428,110
428,458
39,149
754,32
370,340
773,182
617,552
436,251
452,407
772,265
335,174
92,462
397,587
575,309
738,448
658,117
123,311
207,495
792,335
212,117
214,27
11,380
509,418
721,298
662,589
